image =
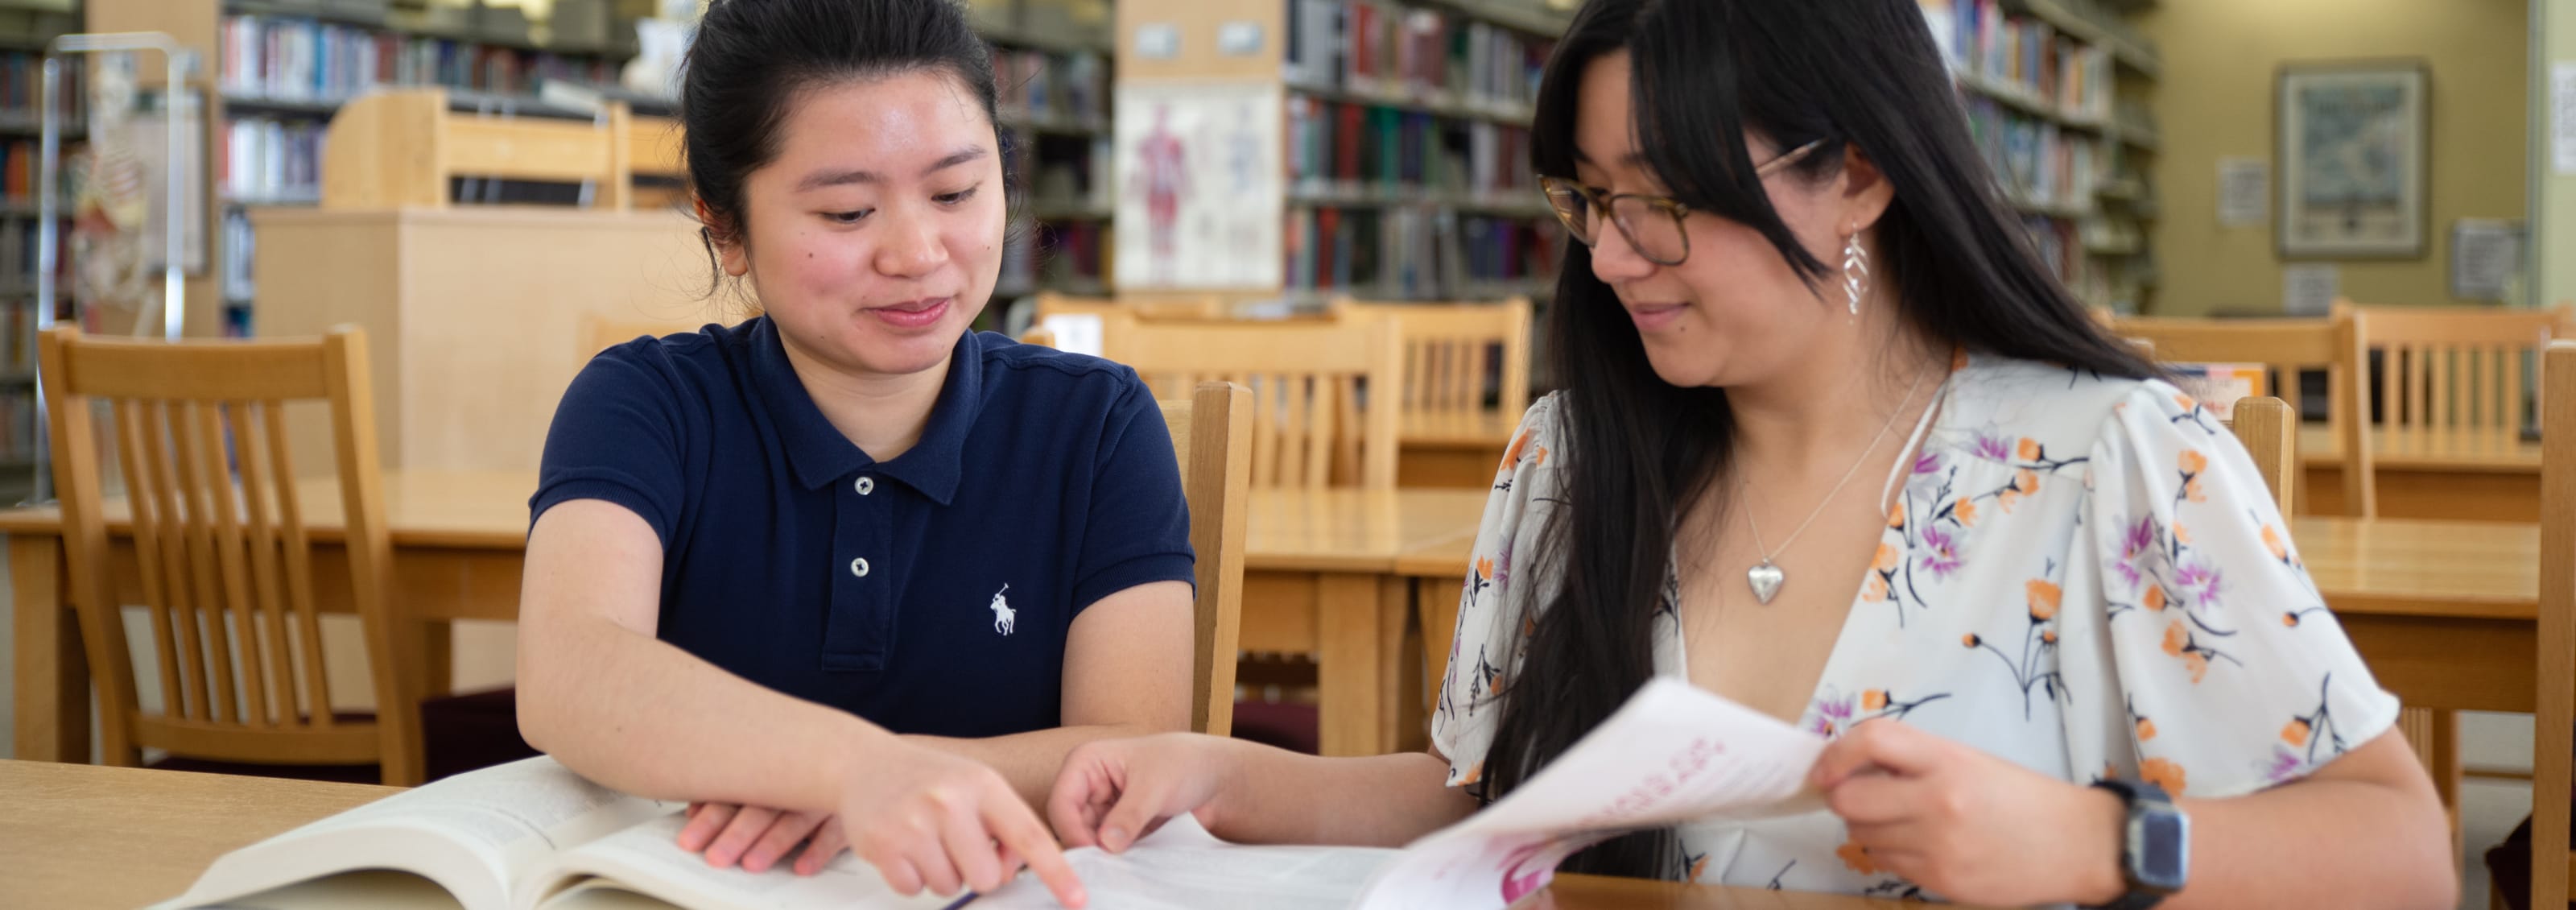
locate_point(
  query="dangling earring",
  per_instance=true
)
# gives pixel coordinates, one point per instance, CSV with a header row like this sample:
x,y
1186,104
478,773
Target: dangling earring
x,y
1855,271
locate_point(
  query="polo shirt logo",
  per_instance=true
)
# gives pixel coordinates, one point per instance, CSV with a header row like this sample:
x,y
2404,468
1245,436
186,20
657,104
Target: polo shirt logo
x,y
1004,618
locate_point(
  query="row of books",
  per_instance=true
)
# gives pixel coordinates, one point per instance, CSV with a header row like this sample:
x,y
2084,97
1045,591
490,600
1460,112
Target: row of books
x,y
22,86
1375,46
1056,254
2023,57
2040,164
17,426
298,59
1344,147
18,239
21,161
269,159
1413,252
240,248
1051,86
1056,171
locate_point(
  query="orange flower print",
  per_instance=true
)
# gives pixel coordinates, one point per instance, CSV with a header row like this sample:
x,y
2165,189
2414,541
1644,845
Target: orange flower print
x,y
2155,599
2185,402
2048,636
2044,597
1696,868
2296,733
1969,640
2290,619
2193,463
2146,729
1873,700
1857,857
2272,542
1886,559
2176,637
1512,456
1484,567
1895,518
2163,773
1475,773
2182,534
1539,460
2027,481
2028,450
2199,665
1875,590
1966,512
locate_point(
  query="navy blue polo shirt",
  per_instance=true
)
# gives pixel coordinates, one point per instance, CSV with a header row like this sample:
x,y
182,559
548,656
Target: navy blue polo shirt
x,y
929,594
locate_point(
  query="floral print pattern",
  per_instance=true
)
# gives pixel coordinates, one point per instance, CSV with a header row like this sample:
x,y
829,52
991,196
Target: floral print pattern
x,y
2079,574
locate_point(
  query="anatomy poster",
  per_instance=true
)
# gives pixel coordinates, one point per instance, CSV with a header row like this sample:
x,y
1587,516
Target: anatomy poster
x,y
1199,198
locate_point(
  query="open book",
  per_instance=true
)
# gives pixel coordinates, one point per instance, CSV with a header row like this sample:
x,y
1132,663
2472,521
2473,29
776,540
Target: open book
x,y
533,836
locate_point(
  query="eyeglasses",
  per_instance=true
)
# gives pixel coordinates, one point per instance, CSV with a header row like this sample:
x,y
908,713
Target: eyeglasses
x,y
1652,224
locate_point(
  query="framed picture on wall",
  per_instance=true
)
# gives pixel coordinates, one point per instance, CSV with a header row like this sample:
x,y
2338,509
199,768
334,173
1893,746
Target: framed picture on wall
x,y
2353,163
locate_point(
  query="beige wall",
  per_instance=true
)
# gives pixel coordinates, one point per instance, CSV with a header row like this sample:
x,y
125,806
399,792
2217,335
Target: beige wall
x,y
2216,100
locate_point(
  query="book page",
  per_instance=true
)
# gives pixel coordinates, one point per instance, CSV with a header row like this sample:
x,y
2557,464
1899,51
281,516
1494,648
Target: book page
x,y
473,834
647,859
1183,867
1673,753
375,889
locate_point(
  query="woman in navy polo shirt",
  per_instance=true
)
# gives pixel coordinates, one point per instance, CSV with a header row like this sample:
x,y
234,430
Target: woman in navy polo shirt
x,y
847,571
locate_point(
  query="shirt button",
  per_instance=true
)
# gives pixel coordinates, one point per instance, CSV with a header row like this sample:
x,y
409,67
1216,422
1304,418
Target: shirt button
x,y
859,567
866,485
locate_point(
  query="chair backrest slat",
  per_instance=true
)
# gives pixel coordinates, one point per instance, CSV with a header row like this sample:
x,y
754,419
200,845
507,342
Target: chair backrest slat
x,y
2269,431
2555,702
138,457
1211,435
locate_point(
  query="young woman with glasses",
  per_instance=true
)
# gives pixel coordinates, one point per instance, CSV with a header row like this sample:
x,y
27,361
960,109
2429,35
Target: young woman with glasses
x,y
1835,444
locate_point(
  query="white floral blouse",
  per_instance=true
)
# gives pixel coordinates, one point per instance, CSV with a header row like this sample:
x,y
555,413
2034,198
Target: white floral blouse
x,y
2081,575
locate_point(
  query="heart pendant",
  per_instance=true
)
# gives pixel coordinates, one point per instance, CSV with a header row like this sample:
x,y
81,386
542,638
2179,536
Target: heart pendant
x,y
1765,579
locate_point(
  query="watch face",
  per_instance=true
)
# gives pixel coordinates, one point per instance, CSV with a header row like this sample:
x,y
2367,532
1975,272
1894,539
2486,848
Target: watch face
x,y
2160,838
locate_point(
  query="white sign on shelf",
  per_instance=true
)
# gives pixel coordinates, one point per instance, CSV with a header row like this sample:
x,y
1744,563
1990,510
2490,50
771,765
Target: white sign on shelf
x,y
2486,254
2562,117
2310,290
2244,192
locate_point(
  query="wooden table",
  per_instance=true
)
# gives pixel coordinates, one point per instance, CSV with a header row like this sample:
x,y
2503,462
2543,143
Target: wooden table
x,y
84,836
1321,577
2470,477
1452,449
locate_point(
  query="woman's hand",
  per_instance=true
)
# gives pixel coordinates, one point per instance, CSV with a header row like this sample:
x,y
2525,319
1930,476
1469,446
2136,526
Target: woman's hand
x,y
1112,793
926,820
758,838
1967,825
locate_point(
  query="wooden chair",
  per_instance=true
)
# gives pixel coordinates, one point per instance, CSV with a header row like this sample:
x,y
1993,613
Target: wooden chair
x,y
2555,718
1307,382
1212,434
223,557
2453,377
2269,429
2284,346
1449,348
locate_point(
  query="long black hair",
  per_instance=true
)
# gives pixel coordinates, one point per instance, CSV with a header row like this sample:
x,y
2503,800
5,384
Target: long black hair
x,y
1847,73
752,58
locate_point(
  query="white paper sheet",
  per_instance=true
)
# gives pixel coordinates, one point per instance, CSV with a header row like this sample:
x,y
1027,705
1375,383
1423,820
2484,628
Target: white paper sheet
x,y
1672,753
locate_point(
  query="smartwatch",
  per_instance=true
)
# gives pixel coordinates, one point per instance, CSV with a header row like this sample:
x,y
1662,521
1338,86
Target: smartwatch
x,y
2155,847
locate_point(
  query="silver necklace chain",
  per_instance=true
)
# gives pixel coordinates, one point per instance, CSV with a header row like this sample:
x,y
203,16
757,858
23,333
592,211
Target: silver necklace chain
x,y
1747,483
